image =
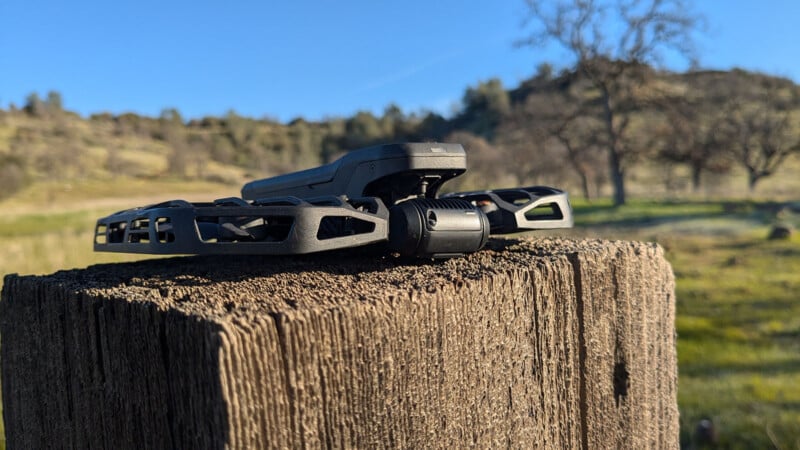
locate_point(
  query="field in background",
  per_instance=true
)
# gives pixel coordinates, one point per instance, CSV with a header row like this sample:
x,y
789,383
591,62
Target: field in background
x,y
738,316
50,227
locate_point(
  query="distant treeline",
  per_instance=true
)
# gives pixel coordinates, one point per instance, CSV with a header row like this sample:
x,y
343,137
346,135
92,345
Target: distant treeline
x,y
546,130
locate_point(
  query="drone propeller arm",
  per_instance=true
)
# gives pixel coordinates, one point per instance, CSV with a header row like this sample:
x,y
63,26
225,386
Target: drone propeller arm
x,y
521,209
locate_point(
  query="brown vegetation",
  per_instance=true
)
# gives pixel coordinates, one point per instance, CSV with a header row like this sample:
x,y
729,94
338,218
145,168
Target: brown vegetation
x,y
548,130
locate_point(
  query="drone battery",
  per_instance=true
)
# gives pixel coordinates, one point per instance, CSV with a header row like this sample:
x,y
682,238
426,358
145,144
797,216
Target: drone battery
x,y
437,228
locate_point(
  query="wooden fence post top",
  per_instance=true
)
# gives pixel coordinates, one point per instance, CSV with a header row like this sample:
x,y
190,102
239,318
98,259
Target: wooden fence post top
x,y
528,343
221,285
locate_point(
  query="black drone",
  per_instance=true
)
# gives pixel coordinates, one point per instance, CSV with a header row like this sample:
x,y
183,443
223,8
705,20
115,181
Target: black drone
x,y
382,195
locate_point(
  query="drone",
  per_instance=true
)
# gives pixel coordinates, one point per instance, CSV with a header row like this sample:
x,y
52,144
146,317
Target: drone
x,y
384,196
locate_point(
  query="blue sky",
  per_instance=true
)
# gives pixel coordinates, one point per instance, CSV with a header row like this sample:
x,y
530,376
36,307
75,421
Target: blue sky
x,y
314,59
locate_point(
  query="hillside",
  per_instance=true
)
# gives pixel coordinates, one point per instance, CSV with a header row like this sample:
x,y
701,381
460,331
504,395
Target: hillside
x,y
542,131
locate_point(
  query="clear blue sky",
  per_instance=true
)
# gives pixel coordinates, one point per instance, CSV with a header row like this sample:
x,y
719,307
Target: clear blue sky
x,y
313,59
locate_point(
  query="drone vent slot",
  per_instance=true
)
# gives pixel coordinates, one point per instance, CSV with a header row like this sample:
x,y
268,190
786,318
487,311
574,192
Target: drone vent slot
x,y
100,234
116,232
164,230
220,229
547,211
338,226
515,197
139,231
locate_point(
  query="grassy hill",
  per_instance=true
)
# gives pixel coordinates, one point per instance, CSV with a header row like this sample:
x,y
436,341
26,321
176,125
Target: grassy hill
x,y
508,133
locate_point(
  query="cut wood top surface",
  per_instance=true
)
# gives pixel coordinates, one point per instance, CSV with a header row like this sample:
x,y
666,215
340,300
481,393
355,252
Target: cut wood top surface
x,y
234,285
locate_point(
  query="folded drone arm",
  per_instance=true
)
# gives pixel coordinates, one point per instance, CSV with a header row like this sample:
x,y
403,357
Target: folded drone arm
x,y
282,226
521,209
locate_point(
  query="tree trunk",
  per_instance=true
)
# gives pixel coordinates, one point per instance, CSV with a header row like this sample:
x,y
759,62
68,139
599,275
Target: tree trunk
x,y
697,172
617,178
528,344
752,180
615,170
585,185
578,168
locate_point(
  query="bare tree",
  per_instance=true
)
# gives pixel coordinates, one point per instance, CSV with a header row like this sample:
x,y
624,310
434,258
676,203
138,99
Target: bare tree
x,y
611,43
762,136
530,156
553,134
695,134
581,146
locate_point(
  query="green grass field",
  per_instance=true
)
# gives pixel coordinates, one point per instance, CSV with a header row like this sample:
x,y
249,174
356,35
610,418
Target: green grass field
x,y
738,315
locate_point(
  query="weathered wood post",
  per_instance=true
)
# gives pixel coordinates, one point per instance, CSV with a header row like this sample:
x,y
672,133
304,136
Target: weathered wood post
x,y
528,344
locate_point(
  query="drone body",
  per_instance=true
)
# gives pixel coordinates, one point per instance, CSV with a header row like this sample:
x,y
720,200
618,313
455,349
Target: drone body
x,y
382,195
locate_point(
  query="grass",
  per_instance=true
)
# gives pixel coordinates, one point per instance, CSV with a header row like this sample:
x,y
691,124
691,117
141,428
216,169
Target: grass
x,y
739,339
111,194
738,315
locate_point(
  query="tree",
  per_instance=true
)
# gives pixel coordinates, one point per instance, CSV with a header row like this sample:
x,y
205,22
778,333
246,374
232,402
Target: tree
x,y
544,72
484,108
238,129
395,124
305,144
612,43
761,136
54,102
34,105
576,135
171,116
173,133
222,150
695,135
362,130
487,164
550,133
432,127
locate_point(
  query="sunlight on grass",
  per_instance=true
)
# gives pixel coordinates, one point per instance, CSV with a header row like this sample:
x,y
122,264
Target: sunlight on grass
x,y
54,251
738,314
745,407
114,194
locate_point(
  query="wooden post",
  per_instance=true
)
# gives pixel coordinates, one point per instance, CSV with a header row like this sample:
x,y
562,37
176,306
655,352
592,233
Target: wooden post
x,y
542,343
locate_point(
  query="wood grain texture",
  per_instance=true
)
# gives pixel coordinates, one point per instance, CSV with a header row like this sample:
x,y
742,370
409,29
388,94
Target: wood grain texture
x,y
543,343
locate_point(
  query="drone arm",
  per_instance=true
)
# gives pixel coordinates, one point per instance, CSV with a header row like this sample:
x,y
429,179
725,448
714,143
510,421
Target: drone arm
x,y
521,209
